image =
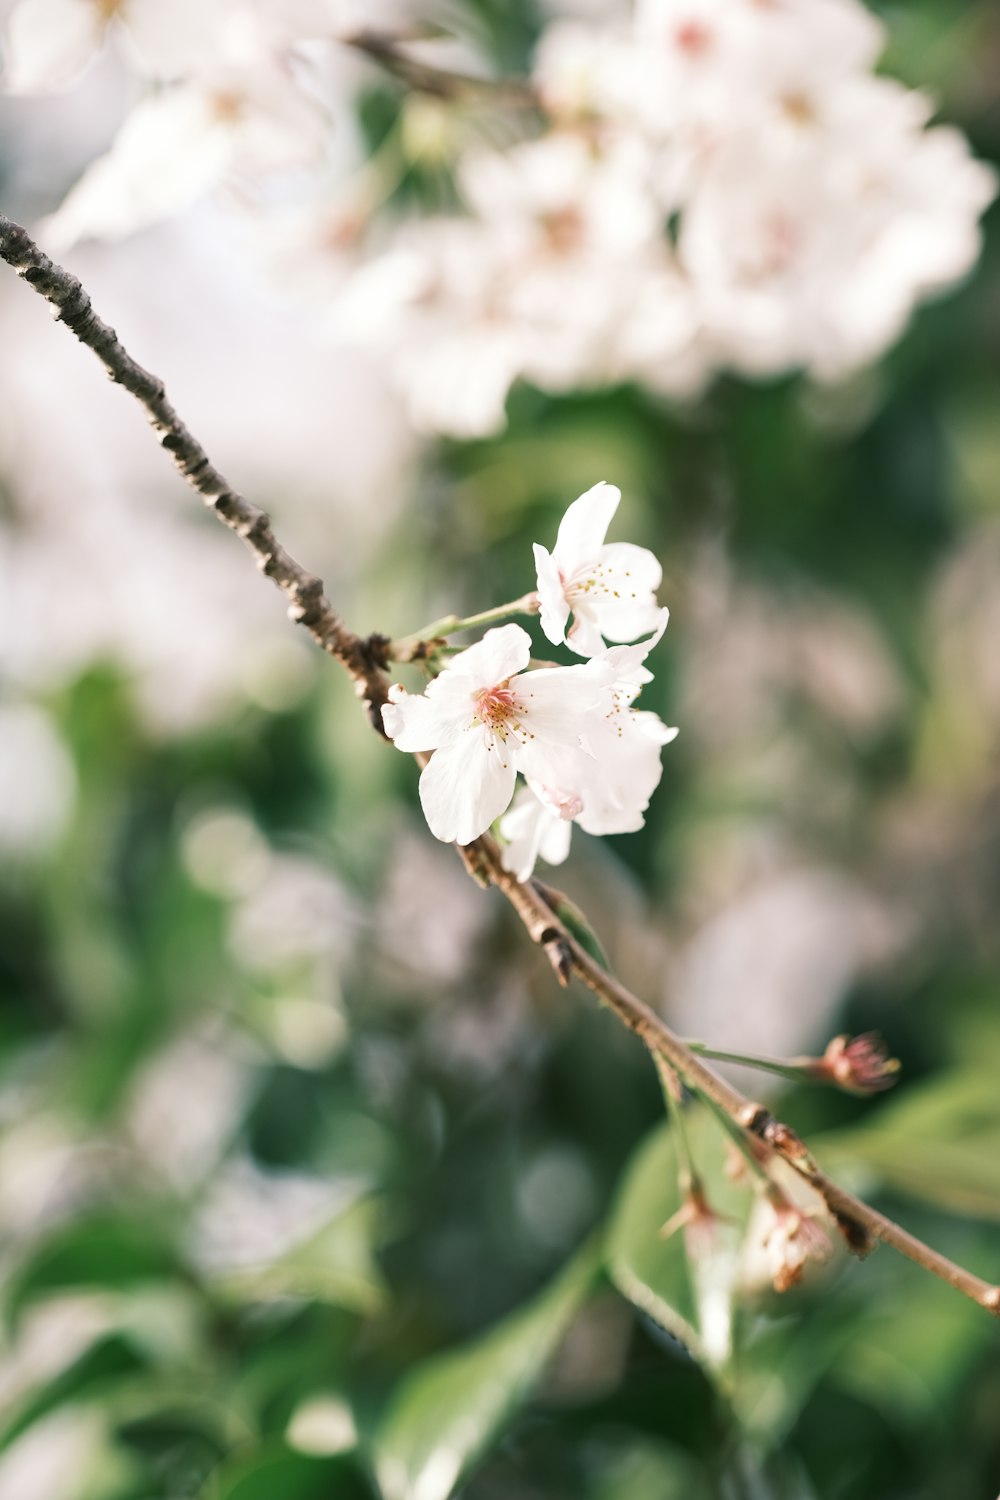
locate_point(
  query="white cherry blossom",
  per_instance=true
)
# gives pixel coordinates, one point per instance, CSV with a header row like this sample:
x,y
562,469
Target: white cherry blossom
x,y
534,828
625,744
609,588
721,185
50,43
610,787
185,139
429,307
557,275
486,718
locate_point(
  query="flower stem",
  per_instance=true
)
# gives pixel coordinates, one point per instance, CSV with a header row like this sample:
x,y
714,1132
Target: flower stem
x,y
687,1171
792,1067
414,647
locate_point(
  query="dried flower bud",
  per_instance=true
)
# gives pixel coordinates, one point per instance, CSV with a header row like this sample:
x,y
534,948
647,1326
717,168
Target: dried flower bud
x,y
858,1064
792,1239
699,1221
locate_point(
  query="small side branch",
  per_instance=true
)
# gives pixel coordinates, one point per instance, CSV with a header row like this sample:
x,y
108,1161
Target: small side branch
x,y
365,661
389,51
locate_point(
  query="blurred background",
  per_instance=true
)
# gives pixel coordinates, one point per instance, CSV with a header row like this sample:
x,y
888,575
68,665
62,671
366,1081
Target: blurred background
x,y
288,1105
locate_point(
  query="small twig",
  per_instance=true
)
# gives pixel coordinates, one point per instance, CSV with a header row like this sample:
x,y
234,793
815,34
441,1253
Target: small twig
x,y
389,52
688,1176
427,641
365,661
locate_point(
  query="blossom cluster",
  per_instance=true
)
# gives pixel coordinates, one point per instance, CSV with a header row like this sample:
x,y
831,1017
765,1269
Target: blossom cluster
x,y
723,184
586,753
227,94
717,185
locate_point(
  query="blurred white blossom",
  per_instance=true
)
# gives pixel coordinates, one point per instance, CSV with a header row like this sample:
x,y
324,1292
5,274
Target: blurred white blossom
x,y
37,780
300,910
768,969
721,184
214,1077
50,42
61,1454
750,649
321,1425
180,142
808,207
250,1218
420,876
224,851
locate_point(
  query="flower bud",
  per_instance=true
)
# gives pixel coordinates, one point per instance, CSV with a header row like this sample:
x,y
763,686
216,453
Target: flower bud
x,y
858,1065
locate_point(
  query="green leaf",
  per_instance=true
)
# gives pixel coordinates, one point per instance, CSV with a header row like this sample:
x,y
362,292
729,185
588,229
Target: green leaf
x,y
915,1353
109,1364
449,1410
652,1271
646,1470
780,1362
96,1252
939,1141
577,926
281,1474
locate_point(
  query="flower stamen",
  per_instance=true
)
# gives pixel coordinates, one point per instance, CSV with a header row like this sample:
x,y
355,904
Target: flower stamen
x,y
498,708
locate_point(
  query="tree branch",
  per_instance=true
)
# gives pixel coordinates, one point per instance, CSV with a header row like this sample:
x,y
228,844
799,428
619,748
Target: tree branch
x,y
365,661
389,52
308,605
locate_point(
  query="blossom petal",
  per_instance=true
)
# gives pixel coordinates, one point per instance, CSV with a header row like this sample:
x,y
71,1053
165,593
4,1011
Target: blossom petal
x,y
554,607
557,834
171,41
627,770
652,725
527,827
49,43
169,150
467,784
584,526
625,606
417,721
628,660
500,654
553,764
558,702
583,635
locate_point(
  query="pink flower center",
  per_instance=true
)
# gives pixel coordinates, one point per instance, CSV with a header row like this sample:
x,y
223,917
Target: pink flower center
x,y
568,805
498,709
693,37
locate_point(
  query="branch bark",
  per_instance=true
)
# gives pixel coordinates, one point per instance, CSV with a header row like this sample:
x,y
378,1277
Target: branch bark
x,y
365,661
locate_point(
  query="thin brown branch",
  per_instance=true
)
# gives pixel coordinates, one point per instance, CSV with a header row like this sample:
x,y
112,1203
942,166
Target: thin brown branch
x,y
364,661
307,603
389,51
863,1227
